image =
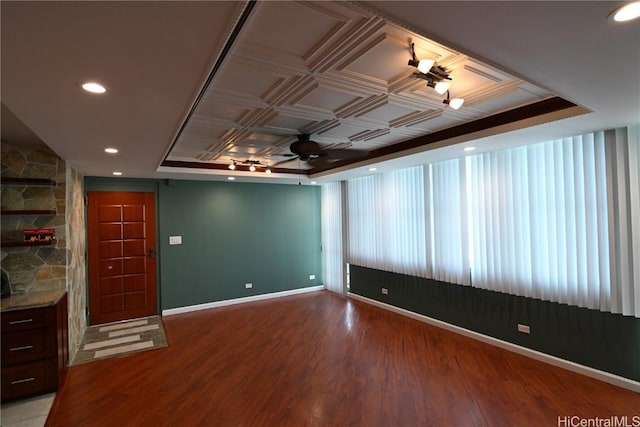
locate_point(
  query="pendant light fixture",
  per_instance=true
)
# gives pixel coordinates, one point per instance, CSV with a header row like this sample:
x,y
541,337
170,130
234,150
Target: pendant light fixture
x,y
250,165
437,77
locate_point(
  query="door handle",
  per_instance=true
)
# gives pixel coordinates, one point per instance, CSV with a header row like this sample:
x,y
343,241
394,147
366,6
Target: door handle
x,y
152,252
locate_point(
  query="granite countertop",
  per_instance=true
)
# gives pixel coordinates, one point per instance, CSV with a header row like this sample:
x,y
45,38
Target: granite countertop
x,y
31,300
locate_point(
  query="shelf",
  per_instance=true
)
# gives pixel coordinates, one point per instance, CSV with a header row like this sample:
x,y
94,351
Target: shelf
x,y
27,212
19,243
38,182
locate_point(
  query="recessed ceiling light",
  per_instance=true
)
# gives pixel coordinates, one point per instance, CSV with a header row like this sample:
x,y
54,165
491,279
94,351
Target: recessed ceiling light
x,y
469,148
627,12
372,169
111,150
231,178
117,173
94,87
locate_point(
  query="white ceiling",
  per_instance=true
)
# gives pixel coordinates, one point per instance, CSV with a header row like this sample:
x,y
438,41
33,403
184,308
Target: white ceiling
x,y
155,57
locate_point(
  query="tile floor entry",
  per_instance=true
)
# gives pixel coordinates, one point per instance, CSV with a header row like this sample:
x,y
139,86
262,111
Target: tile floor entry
x,y
120,338
31,412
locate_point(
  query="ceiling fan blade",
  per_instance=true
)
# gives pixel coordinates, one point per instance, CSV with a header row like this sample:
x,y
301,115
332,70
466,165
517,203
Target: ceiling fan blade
x,y
287,160
319,161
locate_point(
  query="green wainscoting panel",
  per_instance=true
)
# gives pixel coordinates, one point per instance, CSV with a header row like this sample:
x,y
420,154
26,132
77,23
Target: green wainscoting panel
x,y
232,234
604,341
237,233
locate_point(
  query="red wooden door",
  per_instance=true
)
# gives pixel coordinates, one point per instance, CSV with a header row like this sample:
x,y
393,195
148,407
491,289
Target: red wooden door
x,y
122,263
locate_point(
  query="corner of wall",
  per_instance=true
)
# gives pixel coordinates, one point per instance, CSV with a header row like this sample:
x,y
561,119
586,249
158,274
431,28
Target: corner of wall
x,y
76,262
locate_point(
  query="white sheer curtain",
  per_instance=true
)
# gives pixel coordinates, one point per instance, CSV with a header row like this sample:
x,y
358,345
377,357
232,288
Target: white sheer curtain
x,y
333,261
449,222
554,221
387,221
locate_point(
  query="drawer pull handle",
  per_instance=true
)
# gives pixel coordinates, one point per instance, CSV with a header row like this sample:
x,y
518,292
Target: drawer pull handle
x,y
17,322
26,380
24,347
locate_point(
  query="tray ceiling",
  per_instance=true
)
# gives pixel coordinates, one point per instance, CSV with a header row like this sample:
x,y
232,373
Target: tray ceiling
x,y
339,72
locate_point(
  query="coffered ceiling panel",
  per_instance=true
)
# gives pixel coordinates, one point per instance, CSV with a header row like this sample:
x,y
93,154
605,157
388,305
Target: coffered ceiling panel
x,y
339,73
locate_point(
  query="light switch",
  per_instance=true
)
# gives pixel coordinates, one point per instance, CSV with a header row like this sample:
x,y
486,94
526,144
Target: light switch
x,y
175,240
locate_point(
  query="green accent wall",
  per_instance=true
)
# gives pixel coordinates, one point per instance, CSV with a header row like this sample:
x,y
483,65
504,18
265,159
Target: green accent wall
x,y
605,341
232,233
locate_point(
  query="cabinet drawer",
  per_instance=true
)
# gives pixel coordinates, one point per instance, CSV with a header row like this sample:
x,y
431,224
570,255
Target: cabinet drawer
x,y
22,320
27,346
24,380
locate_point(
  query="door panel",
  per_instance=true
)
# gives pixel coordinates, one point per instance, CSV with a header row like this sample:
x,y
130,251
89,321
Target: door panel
x,y
133,230
111,267
122,267
110,213
134,265
133,247
111,285
110,231
134,282
111,248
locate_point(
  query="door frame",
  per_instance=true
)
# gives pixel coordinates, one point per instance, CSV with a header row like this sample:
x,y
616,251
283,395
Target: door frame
x,y
127,185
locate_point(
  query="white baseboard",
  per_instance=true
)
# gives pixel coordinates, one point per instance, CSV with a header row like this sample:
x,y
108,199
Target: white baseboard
x,y
543,357
253,298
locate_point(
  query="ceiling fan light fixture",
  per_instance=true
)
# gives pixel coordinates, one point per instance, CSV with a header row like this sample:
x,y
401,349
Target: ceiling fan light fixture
x,y
456,103
267,171
424,65
442,87
232,166
627,12
252,168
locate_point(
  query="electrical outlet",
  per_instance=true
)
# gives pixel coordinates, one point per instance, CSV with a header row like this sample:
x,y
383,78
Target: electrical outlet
x,y
248,285
312,277
385,291
525,329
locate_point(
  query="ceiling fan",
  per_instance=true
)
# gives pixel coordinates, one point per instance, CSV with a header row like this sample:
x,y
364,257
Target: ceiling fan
x,y
310,151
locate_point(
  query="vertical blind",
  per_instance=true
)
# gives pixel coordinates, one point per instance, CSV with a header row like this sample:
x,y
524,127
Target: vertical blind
x,y
558,221
332,252
449,222
540,222
386,221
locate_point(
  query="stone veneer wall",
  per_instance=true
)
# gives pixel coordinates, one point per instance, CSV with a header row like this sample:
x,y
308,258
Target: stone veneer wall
x,y
63,264
37,267
76,263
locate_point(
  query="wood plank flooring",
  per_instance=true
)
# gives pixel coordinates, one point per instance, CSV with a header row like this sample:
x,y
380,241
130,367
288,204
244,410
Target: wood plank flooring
x,y
319,359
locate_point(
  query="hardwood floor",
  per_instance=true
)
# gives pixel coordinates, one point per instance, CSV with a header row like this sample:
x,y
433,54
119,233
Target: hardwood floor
x,y
319,359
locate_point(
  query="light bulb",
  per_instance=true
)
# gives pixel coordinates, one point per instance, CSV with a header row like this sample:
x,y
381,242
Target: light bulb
x,y
456,103
232,166
94,87
252,168
425,65
442,87
267,171
627,12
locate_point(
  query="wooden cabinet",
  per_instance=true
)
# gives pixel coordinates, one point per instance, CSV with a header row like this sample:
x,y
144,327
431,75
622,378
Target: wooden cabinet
x,y
34,350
